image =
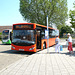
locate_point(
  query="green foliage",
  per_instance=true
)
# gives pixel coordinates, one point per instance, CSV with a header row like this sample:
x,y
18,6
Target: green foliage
x,y
35,11
65,29
0,33
72,16
60,26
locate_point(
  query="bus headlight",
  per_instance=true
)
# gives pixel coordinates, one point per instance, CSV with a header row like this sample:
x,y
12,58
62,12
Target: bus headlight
x,y
13,47
31,48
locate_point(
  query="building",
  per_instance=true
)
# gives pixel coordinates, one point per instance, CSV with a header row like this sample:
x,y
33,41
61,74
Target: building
x,y
5,27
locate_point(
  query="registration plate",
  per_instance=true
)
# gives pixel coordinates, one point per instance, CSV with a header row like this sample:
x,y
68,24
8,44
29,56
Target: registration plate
x,y
21,49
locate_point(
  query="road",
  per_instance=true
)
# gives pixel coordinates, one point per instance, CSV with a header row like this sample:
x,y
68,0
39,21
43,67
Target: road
x,y
8,56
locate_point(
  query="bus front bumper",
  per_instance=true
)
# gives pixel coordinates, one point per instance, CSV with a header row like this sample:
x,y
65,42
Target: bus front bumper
x,y
31,48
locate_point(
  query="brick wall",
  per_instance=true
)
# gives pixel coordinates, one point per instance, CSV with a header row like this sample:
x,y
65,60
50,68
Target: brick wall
x,y
5,27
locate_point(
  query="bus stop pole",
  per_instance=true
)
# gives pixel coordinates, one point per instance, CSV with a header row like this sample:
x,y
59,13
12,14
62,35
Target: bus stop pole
x,y
47,37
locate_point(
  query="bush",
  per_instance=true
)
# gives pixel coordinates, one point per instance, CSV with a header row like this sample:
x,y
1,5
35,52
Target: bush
x,y
73,45
65,29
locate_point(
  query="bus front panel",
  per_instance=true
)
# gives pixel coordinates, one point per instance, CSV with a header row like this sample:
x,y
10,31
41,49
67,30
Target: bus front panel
x,y
23,40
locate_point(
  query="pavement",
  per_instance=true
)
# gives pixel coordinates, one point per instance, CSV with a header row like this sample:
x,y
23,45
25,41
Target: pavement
x,y
45,62
8,56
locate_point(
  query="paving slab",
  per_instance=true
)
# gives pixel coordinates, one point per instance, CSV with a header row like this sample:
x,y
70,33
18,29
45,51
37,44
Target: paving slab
x,y
43,63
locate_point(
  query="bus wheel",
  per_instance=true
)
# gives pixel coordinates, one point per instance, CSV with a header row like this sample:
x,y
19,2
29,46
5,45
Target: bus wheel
x,y
44,46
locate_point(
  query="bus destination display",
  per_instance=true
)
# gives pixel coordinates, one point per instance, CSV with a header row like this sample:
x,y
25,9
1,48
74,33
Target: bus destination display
x,y
23,27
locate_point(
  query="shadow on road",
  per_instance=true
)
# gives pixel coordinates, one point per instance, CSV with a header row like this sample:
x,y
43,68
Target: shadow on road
x,y
17,52
69,53
64,46
5,44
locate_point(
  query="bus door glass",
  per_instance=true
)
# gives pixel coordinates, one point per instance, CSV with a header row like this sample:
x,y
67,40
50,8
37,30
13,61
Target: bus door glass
x,y
38,39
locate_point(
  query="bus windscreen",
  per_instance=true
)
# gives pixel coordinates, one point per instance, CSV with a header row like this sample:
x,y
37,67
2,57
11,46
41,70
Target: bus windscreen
x,y
5,34
23,37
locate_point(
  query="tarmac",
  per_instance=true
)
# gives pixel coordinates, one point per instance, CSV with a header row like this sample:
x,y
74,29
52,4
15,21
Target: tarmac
x,y
45,62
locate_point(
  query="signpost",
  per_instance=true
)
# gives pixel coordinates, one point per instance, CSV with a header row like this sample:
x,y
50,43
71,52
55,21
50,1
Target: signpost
x,y
47,36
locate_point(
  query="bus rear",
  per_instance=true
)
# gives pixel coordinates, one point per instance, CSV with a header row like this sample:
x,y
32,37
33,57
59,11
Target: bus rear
x,y
6,36
23,38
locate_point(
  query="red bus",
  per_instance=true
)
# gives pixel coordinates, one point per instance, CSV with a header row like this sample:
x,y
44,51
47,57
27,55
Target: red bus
x,y
31,37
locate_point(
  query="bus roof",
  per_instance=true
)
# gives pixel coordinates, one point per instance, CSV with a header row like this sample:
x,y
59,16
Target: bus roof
x,y
8,29
36,25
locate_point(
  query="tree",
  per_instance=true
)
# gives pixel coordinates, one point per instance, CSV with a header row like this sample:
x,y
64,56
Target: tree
x,y
35,11
65,29
72,16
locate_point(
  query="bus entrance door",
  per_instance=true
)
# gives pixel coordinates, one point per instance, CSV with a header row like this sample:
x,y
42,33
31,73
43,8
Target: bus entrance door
x,y
38,39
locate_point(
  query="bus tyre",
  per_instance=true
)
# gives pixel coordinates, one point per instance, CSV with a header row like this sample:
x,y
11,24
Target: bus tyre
x,y
44,46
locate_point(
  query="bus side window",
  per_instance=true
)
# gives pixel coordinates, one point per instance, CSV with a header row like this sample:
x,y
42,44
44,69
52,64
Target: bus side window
x,y
57,32
53,33
43,34
50,33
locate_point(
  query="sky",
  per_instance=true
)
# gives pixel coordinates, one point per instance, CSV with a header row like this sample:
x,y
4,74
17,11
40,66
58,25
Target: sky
x,y
70,4
9,12
70,7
